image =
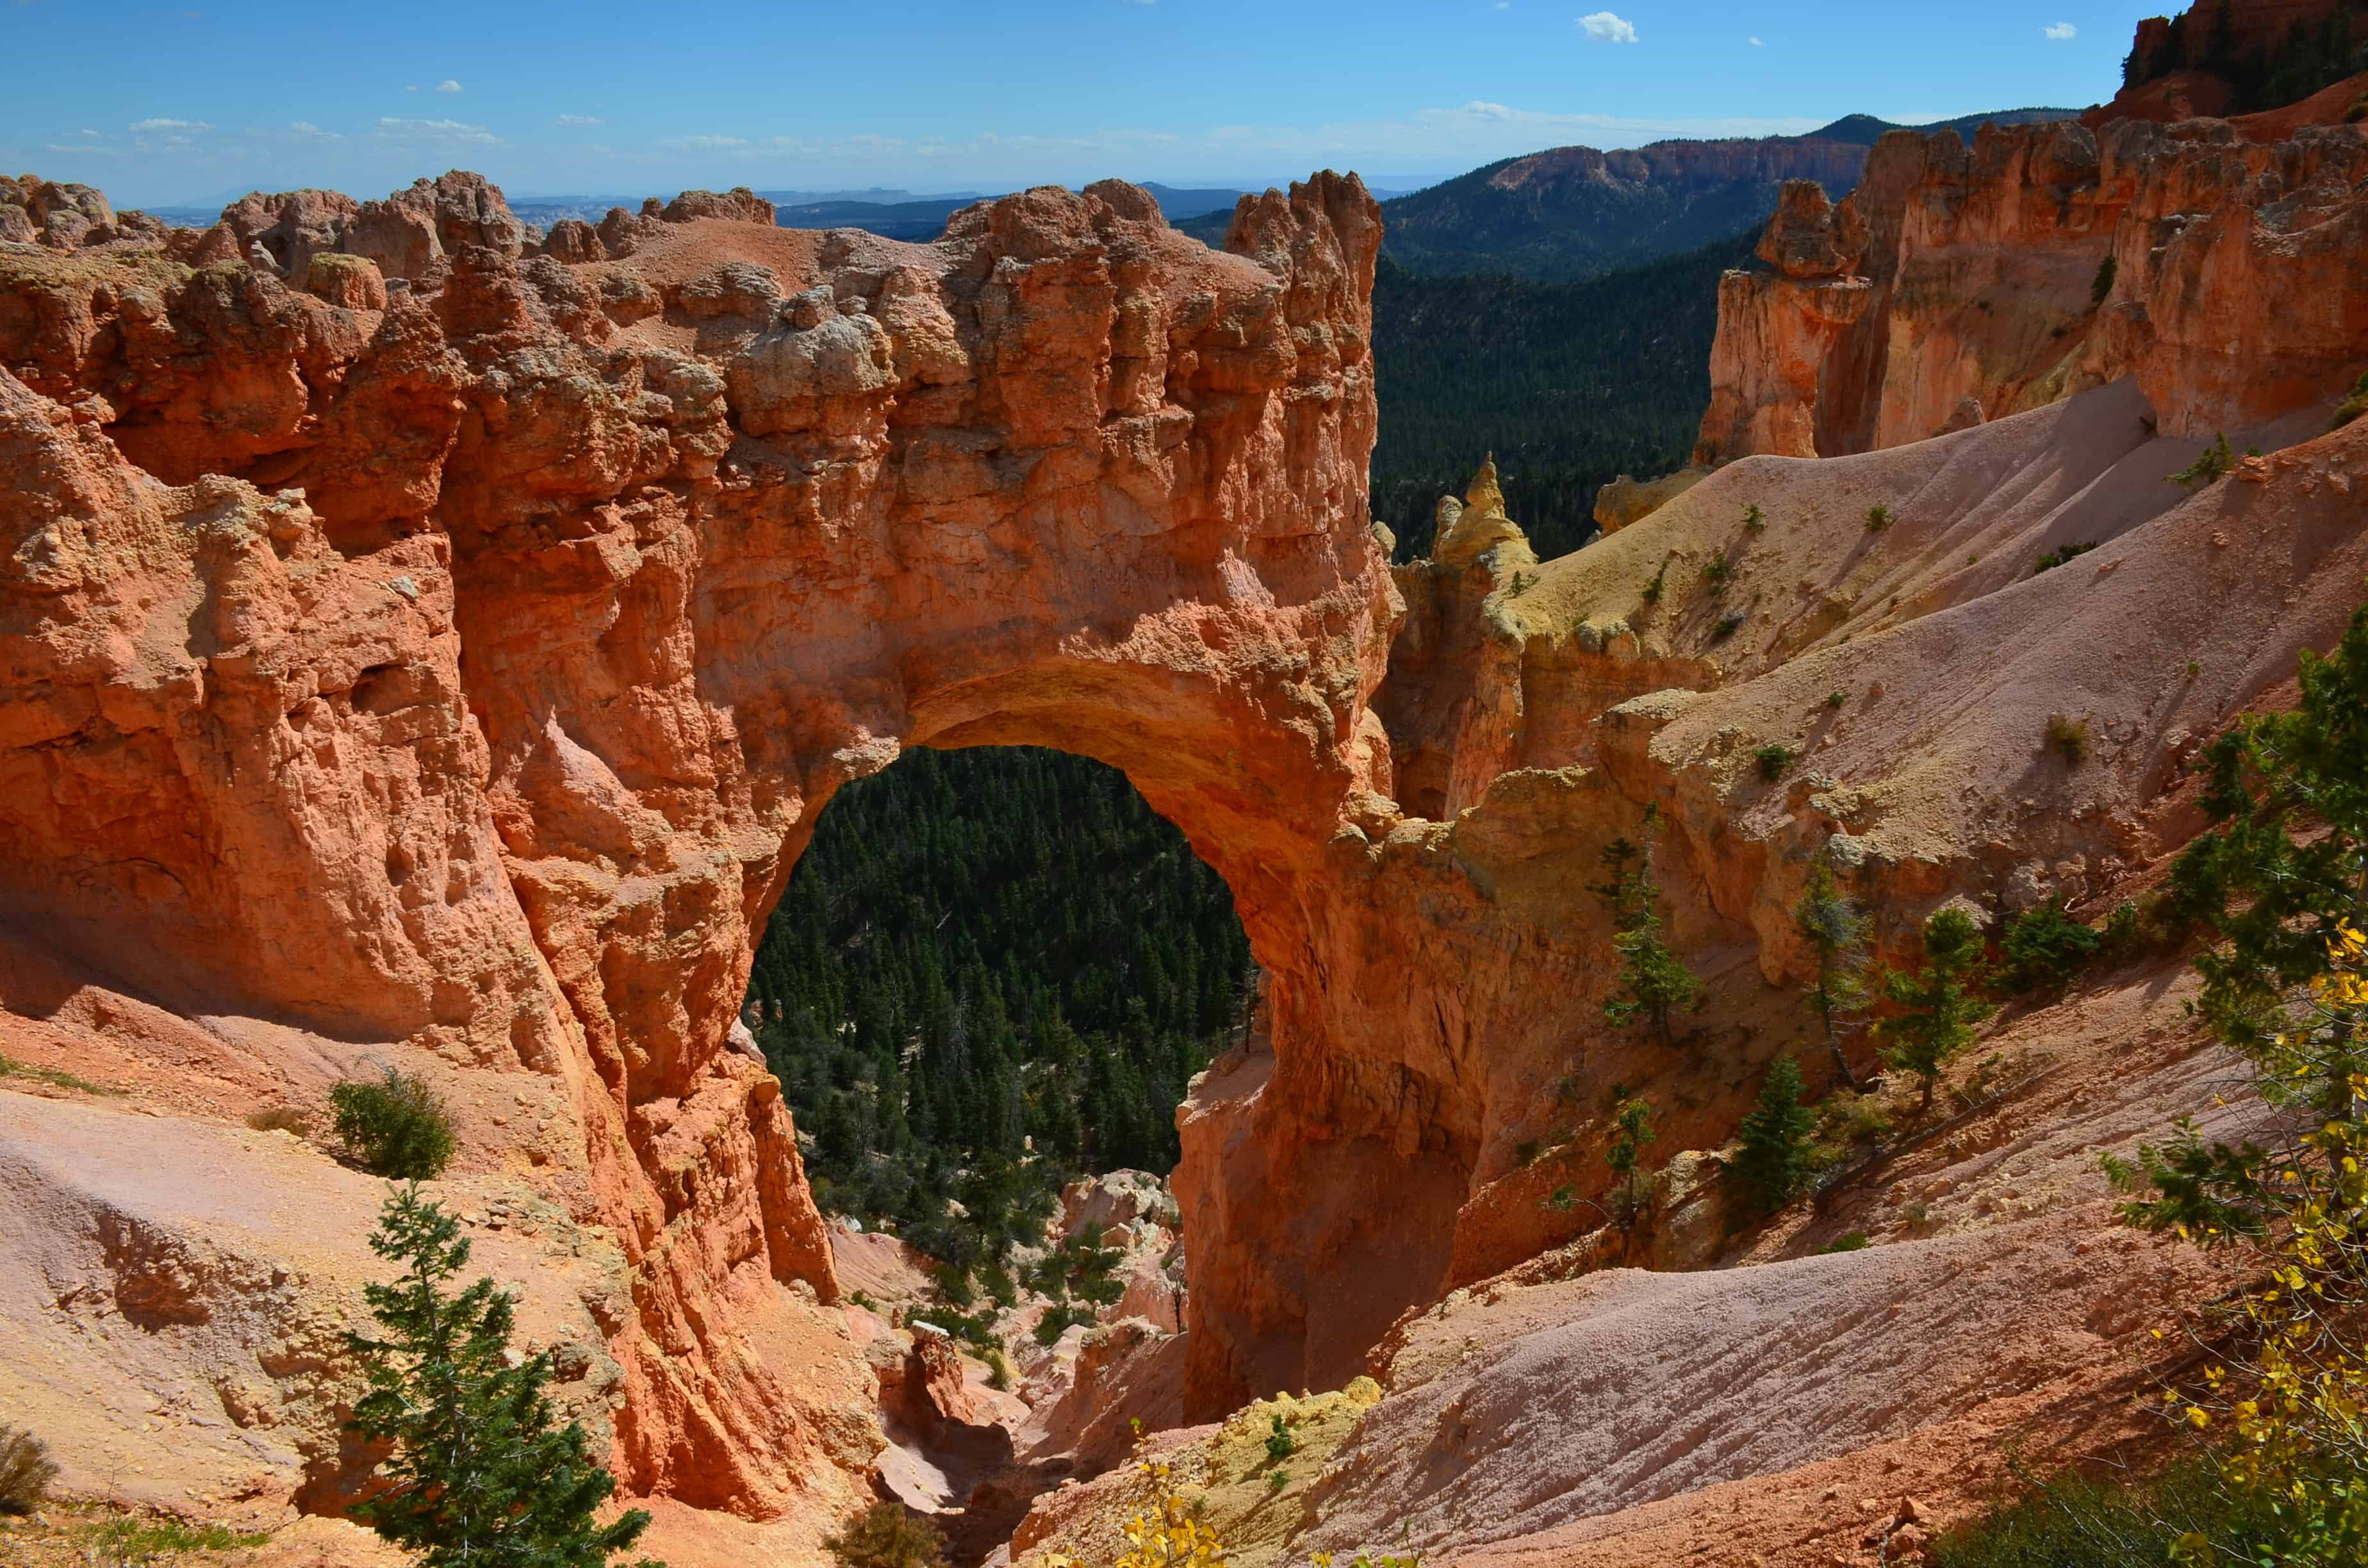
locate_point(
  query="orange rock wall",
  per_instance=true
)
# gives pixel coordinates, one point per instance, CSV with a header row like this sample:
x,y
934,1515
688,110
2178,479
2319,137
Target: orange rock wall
x,y
458,654
469,669
2235,299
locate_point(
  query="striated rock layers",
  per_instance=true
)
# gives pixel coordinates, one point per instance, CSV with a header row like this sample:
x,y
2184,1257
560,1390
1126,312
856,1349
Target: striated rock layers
x,y
454,652
1961,283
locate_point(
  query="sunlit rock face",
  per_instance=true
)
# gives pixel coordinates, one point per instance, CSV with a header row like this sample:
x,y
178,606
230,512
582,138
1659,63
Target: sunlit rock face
x,y
426,635
417,632
1961,282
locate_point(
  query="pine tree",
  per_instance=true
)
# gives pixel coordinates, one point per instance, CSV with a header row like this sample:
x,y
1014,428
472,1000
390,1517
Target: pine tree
x,y
483,1475
1654,982
1940,1006
1632,1129
1835,928
1774,1162
2281,884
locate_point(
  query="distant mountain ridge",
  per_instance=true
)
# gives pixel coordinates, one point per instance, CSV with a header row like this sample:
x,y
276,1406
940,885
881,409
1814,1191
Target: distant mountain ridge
x,y
1865,129
891,213
1569,213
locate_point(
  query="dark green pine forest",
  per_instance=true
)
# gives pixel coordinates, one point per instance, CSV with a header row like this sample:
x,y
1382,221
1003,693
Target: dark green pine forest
x,y
992,971
1570,384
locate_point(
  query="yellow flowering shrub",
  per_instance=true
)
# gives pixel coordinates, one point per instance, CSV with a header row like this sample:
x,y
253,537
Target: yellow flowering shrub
x,y
2281,881
2293,1401
1164,1534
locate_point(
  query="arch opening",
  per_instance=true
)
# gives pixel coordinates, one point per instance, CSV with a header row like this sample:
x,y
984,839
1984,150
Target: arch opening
x,y
993,970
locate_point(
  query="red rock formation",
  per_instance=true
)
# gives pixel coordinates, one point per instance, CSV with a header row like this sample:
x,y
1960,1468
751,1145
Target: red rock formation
x,y
468,671
2251,27
2234,297
1776,333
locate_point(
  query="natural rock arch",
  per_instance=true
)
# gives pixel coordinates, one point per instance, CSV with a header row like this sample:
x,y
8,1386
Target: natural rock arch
x,y
466,662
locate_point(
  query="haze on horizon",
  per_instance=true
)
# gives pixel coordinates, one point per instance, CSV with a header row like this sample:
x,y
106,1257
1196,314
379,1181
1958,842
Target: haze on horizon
x,y
189,105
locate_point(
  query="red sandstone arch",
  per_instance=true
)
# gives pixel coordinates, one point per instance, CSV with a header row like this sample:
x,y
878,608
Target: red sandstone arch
x,y
465,665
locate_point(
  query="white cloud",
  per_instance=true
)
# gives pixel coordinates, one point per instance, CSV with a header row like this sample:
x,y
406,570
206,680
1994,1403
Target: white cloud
x,y
448,85
392,130
1756,44
2062,30
181,125
89,132
1605,28
1504,5
577,120
411,86
305,131
709,143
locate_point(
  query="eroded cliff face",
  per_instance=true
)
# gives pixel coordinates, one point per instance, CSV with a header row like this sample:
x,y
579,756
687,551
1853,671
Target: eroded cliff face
x,y
1976,290
420,633
426,637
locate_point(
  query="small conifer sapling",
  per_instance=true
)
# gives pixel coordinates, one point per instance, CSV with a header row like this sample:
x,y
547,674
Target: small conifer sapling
x,y
483,1475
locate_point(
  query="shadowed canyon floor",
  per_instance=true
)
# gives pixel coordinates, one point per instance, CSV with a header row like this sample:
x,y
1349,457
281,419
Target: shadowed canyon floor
x,y
430,643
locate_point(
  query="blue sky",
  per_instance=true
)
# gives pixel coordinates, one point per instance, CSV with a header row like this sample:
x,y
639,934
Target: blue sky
x,y
174,104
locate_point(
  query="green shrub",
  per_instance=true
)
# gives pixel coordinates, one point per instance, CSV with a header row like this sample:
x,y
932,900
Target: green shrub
x,y
2210,463
2043,949
1058,1321
1280,1444
2102,284
1651,592
25,1470
1632,1129
998,1369
1878,517
393,1125
887,1535
127,1541
2068,738
2352,407
1836,699
1773,758
1854,1241
2058,557
2075,1522
12,1068
1849,1118
1654,982
1728,625
1937,1006
1753,517
1718,573
1777,1153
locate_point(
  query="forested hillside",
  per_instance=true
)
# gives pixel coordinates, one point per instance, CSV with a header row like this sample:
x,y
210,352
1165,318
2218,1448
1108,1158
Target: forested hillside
x,y
993,970
1570,384
1567,213
2264,68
